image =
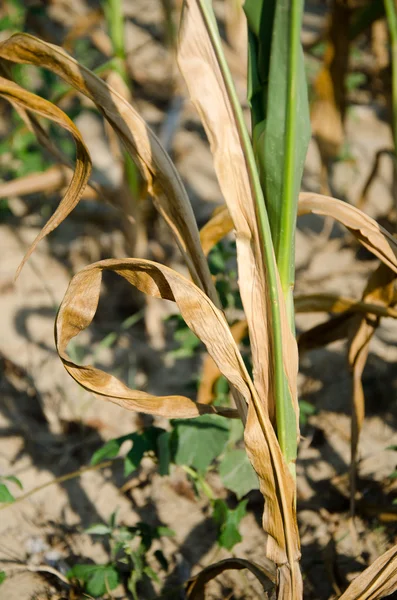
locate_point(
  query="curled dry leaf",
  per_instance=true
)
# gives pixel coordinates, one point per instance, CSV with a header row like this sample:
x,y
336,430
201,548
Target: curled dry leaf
x,y
204,68
304,303
367,231
379,290
206,321
266,574
164,182
371,235
27,101
216,228
334,303
378,581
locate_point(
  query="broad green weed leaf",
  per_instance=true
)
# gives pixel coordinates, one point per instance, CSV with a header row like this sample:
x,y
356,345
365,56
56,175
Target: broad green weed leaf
x,y
98,529
161,559
237,473
5,494
109,450
135,455
228,521
13,479
145,441
97,579
197,443
3,577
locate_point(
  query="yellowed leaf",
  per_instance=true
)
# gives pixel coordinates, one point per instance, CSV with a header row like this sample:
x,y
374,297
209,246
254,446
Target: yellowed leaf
x,y
379,290
206,321
164,182
210,372
266,574
334,303
210,90
20,97
371,235
378,581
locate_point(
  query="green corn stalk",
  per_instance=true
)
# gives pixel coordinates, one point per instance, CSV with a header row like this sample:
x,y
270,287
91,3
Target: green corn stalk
x,y
391,14
115,19
285,414
280,121
277,93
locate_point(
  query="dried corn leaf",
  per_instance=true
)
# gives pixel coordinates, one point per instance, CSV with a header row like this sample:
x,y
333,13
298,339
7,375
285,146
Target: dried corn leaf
x,y
336,328
371,235
206,321
47,181
20,97
379,290
367,231
195,587
200,59
210,372
378,581
164,182
334,303
216,228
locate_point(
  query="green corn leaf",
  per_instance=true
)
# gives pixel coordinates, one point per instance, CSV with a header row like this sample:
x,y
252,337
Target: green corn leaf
x,y
280,114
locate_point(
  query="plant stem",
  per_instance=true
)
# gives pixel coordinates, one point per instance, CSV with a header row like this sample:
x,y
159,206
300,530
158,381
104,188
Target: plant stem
x,y
284,410
285,251
391,13
116,28
115,17
67,477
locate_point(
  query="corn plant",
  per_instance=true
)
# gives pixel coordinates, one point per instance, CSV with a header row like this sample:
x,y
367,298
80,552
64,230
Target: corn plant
x,y
260,176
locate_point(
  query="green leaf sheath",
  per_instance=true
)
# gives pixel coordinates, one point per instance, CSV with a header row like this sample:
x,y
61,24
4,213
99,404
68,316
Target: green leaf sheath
x,y
277,93
286,420
391,14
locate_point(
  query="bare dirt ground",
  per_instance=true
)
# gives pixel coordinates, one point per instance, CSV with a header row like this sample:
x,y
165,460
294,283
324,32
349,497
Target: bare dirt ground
x,y
50,427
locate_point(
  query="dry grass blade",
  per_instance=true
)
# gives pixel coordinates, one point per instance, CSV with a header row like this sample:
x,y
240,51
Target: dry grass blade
x,y
206,321
380,289
200,62
371,235
305,303
50,180
216,228
27,101
164,182
334,303
378,581
336,328
195,588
